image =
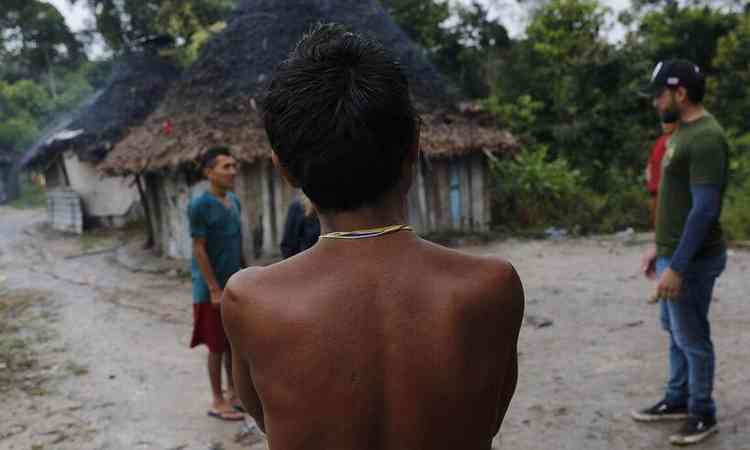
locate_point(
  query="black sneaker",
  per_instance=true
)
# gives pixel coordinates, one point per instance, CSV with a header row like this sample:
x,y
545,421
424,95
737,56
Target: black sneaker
x,y
695,430
660,412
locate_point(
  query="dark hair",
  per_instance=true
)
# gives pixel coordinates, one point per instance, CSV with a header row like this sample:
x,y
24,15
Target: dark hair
x,y
339,116
209,158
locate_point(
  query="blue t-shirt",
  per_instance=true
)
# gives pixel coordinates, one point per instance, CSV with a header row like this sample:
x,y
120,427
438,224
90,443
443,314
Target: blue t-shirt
x,y
209,218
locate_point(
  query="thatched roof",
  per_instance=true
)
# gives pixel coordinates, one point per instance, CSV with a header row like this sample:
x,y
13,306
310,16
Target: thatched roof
x,y
137,85
215,100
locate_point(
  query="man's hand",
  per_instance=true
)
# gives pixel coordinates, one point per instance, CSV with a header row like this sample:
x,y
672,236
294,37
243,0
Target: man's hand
x,y
216,297
669,285
648,263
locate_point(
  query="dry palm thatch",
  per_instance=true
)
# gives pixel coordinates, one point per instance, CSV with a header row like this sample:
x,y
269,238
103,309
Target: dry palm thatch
x,y
215,100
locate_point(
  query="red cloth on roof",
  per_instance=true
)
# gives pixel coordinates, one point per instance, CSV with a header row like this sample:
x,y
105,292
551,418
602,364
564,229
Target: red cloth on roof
x,y
167,127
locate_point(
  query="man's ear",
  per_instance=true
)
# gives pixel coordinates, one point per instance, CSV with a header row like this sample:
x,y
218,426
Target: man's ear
x,y
284,172
680,94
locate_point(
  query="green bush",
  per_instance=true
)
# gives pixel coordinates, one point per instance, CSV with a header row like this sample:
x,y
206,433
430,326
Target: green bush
x,y
32,195
624,205
735,217
532,191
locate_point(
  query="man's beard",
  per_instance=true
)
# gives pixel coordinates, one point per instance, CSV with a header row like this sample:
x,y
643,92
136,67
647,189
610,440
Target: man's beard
x,y
670,115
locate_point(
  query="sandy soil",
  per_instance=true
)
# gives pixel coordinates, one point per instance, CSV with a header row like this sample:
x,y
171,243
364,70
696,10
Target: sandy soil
x,y
115,371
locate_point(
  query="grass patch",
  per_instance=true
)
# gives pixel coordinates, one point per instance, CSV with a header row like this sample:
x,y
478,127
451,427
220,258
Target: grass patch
x,y
32,196
38,391
24,325
134,229
76,369
98,239
16,355
184,273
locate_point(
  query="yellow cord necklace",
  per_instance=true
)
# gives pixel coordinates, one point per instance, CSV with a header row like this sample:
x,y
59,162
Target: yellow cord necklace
x,y
368,233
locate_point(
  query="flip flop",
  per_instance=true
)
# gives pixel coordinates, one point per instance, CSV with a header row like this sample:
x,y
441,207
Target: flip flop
x,y
239,408
229,416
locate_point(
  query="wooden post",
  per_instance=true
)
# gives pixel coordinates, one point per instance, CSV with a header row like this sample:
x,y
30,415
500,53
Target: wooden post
x,y
147,210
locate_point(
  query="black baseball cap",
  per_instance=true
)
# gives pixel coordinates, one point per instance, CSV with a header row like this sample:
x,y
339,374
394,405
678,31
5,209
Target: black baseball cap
x,y
672,74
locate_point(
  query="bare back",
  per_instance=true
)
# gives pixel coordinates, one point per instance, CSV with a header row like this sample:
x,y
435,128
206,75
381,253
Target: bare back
x,y
387,343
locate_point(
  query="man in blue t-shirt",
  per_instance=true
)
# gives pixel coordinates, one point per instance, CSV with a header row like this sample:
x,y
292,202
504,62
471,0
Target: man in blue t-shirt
x,y
215,228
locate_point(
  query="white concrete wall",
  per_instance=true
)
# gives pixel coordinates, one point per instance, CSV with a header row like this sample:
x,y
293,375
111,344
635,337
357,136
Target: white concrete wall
x,y
173,231
64,210
101,196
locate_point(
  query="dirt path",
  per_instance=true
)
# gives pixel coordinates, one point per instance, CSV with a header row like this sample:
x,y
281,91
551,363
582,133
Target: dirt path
x,y
120,376
605,354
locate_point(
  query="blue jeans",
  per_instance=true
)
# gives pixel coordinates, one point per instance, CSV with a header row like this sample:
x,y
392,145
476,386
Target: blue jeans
x,y
691,352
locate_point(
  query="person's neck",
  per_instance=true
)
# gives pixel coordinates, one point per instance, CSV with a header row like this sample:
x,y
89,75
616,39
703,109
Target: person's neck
x,y
693,113
217,191
384,213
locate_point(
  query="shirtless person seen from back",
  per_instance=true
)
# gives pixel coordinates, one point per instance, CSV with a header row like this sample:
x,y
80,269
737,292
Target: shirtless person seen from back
x,y
371,340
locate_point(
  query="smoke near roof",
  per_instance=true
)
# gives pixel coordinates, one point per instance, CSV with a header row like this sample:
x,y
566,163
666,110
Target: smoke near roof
x,y
137,85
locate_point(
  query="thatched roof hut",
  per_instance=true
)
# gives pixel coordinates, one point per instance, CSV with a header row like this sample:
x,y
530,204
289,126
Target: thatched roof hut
x,y
215,100
138,84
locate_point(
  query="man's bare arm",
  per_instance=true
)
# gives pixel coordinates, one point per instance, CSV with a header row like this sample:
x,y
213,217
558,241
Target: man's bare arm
x,y
510,320
201,256
508,388
243,384
241,373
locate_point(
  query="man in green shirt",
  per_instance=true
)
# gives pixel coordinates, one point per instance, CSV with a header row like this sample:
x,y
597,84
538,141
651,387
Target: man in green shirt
x,y
690,252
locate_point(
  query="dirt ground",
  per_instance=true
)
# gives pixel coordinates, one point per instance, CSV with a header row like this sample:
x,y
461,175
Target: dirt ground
x,y
111,369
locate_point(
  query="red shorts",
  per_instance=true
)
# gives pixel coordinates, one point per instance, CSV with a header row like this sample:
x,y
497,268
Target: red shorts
x,y
208,328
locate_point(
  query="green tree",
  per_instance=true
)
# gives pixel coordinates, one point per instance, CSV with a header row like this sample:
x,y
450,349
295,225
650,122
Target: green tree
x,y
473,50
34,40
565,64
27,107
730,87
684,32
126,25
465,45
421,20
20,104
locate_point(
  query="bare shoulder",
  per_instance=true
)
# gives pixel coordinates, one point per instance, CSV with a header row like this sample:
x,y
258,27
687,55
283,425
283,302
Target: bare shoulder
x,y
242,283
242,305
258,287
493,282
242,292
500,286
499,295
